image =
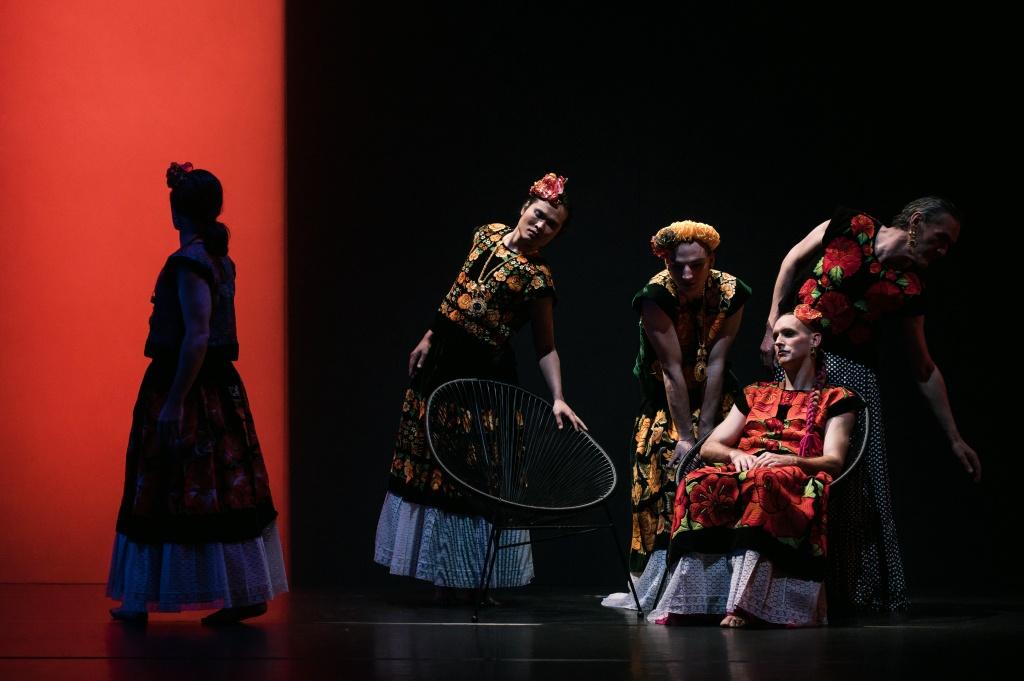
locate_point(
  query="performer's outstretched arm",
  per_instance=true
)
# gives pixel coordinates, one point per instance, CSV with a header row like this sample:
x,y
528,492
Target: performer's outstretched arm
x,y
933,387
542,320
794,261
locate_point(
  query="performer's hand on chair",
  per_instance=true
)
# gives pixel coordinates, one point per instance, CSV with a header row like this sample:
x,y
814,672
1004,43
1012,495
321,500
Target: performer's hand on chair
x,y
563,412
683,446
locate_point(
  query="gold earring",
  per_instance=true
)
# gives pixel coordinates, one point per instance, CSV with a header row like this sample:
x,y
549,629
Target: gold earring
x,y
912,237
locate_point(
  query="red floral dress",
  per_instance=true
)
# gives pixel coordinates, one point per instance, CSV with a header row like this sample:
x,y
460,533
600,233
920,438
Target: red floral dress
x,y
778,511
852,289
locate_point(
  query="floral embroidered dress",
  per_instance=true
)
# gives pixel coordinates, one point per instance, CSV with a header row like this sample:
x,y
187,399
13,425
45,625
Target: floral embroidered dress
x,y
654,434
778,510
213,486
756,540
195,527
855,293
486,305
427,528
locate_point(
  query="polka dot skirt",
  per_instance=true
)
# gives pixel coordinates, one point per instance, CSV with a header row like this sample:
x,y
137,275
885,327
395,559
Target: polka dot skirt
x,y
865,572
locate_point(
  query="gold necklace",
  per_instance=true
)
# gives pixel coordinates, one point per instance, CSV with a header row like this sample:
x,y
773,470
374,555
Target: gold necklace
x,y
478,290
700,367
480,278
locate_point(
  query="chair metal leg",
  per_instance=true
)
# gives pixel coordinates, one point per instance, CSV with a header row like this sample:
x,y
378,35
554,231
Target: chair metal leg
x,y
623,562
490,558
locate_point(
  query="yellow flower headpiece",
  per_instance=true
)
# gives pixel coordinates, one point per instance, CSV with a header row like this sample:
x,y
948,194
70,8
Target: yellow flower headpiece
x,y
667,238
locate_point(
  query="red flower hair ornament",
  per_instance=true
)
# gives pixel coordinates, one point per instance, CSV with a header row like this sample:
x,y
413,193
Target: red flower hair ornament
x,y
807,315
176,172
551,188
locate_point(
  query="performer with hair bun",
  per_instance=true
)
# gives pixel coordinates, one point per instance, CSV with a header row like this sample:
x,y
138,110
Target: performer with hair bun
x,y
427,529
196,527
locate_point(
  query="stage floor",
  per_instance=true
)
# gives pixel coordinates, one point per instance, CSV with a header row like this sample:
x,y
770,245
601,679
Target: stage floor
x,y
57,632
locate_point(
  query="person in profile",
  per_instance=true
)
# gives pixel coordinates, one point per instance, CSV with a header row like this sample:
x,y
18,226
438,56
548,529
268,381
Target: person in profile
x,y
196,525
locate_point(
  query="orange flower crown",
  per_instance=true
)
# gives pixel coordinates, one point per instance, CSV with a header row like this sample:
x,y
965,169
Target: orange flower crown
x,y
667,238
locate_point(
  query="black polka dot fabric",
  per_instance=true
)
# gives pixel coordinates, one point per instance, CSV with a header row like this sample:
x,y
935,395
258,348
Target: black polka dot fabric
x,y
865,572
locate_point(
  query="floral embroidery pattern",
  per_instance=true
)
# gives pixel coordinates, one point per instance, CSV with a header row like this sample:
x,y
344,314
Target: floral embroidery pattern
x,y
782,503
487,299
851,308
654,484
719,298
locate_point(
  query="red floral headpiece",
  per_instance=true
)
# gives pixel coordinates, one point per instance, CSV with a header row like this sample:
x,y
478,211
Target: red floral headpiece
x,y
551,188
807,314
176,172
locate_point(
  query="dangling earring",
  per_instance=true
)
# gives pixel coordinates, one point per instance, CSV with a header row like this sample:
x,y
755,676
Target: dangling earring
x,y
912,237
814,351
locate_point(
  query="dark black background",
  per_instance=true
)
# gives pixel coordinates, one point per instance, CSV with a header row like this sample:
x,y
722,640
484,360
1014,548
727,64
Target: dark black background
x,y
409,127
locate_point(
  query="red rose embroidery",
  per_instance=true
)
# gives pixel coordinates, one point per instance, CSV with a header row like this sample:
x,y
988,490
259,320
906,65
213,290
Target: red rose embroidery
x,y
844,254
713,500
835,307
882,297
777,503
913,285
764,402
807,291
875,267
862,224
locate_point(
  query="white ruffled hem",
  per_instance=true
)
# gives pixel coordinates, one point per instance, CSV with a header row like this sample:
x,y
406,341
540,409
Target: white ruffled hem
x,y
176,577
446,549
702,584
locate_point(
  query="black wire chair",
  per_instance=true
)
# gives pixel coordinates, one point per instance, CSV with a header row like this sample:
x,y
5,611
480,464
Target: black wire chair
x,y
501,444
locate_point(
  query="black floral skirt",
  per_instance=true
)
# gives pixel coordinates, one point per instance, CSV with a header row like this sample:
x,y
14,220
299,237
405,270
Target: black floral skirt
x,y
415,475
211,483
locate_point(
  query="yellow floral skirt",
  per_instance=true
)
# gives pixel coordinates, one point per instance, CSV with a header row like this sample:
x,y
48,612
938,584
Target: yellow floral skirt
x,y
654,484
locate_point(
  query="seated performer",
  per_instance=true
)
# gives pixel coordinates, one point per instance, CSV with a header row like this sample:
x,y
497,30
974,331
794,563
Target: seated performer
x,y
749,530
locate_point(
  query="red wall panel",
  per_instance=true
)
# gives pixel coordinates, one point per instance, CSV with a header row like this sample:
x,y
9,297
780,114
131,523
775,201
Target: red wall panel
x,y
98,96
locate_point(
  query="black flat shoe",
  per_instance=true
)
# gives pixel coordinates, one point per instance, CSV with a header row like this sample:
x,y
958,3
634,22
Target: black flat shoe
x,y
228,616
